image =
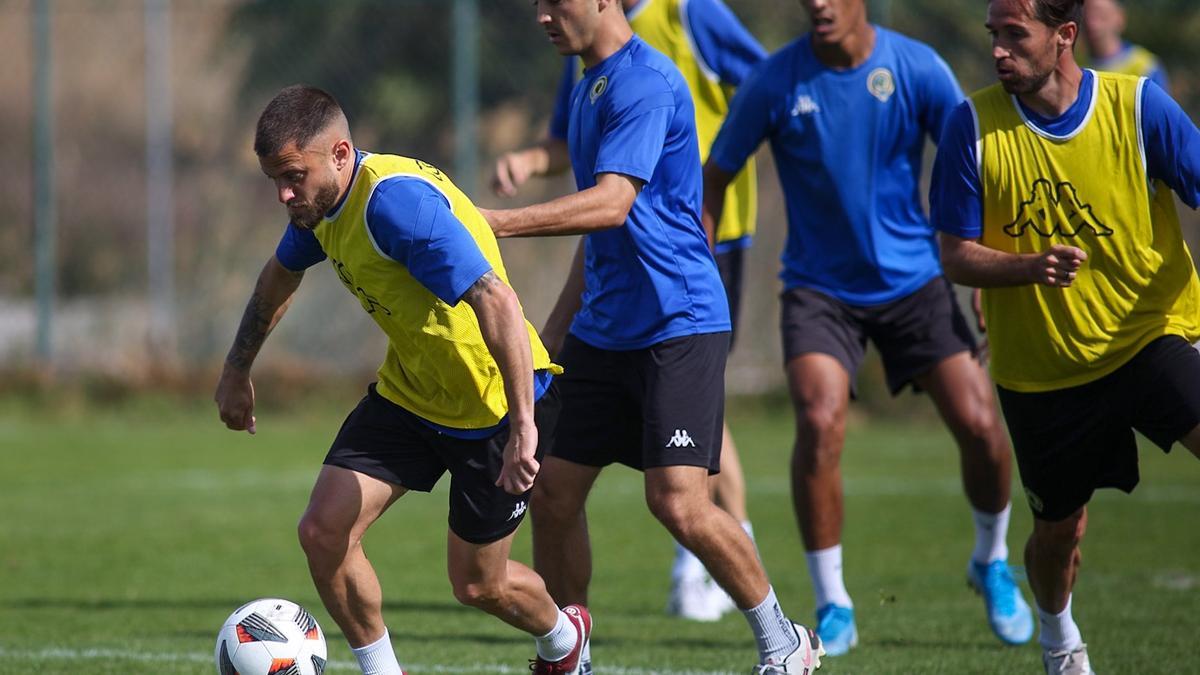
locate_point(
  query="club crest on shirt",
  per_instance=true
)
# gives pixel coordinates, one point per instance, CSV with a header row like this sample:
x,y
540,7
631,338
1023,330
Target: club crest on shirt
x,y
598,88
881,83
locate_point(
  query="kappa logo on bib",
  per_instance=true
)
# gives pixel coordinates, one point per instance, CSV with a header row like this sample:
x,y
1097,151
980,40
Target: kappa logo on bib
x,y
1055,209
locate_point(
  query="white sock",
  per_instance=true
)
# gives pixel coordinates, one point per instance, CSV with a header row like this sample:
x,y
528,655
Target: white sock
x,y
825,569
1059,632
585,656
748,529
687,566
378,658
773,632
559,642
991,534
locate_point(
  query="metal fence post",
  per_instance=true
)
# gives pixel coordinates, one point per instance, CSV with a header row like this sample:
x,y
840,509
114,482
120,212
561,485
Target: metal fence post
x,y
44,201
466,94
160,235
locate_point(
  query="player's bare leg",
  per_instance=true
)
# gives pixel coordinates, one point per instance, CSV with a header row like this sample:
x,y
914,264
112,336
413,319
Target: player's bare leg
x,y
964,397
678,497
820,391
1052,559
482,576
562,553
343,505
693,593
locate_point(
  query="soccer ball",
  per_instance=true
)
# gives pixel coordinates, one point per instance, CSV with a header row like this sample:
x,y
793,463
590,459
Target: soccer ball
x,y
270,637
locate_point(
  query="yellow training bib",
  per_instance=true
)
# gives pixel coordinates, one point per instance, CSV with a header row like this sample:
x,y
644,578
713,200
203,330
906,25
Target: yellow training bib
x,y
1090,190
437,365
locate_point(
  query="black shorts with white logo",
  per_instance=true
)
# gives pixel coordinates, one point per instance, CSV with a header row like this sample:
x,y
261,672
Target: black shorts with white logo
x,y
730,264
913,334
659,406
1070,442
383,440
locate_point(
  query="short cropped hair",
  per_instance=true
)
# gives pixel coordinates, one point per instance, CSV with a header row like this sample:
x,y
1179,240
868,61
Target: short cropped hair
x,y
1055,13
296,115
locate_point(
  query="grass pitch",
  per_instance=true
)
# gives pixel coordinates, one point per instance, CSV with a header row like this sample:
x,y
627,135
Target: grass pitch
x,y
128,534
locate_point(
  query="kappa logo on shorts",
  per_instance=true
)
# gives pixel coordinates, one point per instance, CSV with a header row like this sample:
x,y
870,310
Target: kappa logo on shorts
x,y
681,439
518,510
1035,502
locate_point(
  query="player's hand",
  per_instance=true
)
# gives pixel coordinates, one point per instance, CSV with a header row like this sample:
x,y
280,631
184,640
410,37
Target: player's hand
x,y
1058,266
512,170
235,399
520,460
977,308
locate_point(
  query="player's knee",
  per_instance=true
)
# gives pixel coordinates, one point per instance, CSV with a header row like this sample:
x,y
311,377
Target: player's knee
x,y
675,513
820,425
1062,537
319,538
477,594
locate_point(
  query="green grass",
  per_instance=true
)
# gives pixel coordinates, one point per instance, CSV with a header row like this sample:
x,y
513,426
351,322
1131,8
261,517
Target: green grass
x,y
129,533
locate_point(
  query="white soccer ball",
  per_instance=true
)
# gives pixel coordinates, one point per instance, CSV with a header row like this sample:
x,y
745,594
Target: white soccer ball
x,y
271,637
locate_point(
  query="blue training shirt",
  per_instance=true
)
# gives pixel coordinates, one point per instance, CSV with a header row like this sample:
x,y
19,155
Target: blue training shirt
x,y
412,223
848,147
653,278
723,45
1171,140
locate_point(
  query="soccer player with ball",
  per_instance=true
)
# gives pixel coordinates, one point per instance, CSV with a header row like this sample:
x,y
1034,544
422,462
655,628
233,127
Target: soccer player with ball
x,y
466,387
1054,190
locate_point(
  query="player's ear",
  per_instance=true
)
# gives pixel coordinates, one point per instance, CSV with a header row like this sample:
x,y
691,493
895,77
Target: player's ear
x,y
343,153
1067,34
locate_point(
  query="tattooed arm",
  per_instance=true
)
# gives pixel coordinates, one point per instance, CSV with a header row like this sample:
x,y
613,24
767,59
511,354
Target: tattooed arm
x,y
503,326
271,298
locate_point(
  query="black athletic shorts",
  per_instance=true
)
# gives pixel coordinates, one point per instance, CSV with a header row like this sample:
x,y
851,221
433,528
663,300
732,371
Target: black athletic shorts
x,y
385,441
729,264
1069,442
913,334
645,408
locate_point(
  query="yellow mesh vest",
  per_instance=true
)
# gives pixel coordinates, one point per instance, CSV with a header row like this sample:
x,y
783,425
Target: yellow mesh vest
x,y
437,364
1088,190
661,24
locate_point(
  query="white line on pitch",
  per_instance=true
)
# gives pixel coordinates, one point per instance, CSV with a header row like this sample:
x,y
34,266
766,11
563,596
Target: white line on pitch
x,y
98,654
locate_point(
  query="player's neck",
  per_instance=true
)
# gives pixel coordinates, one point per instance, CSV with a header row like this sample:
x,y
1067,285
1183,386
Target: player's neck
x,y
1059,93
849,52
613,34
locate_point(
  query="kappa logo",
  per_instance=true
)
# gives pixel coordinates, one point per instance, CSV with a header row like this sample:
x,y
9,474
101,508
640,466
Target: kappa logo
x,y
518,510
805,105
681,439
881,83
1035,502
598,88
1055,209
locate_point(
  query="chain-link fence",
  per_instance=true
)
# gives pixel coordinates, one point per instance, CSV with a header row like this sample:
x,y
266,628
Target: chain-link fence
x,y
454,82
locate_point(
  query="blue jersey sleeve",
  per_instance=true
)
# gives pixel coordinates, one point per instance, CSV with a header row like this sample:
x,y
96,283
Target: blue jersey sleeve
x,y
1172,144
298,249
955,194
560,121
411,223
640,109
722,43
942,95
749,121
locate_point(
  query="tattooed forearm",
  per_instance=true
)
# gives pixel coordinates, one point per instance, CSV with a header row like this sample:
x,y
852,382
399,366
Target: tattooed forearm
x,y
271,297
251,333
483,286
